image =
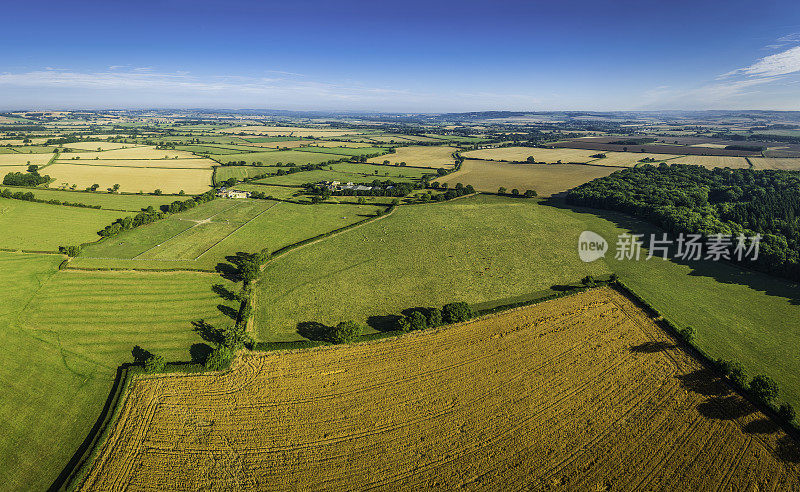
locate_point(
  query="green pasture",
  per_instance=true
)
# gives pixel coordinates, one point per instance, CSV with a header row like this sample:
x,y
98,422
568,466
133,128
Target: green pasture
x,y
273,157
108,201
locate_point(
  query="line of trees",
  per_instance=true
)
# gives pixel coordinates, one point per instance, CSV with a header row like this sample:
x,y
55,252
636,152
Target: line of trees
x,y
150,215
695,200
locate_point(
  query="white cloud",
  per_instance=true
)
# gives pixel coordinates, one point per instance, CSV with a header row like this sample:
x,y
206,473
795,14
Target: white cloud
x,y
782,63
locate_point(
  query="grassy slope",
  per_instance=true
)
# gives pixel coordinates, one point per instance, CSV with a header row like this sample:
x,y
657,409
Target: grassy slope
x,y
43,227
486,248
62,334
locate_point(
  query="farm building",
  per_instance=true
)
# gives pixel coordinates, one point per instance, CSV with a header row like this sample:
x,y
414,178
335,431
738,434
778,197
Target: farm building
x,y
223,193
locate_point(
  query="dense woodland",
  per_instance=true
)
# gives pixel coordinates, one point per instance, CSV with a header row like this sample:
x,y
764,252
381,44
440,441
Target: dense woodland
x,y
695,200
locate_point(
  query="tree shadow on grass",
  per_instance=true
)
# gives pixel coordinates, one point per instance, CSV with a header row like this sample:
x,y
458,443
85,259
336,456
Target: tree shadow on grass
x,y
225,293
313,330
140,355
788,450
227,271
383,323
228,311
208,332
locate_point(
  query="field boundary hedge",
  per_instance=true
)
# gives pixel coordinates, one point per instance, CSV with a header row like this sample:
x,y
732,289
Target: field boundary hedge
x,y
705,359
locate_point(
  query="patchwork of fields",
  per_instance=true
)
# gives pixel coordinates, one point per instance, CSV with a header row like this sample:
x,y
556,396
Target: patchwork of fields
x,y
584,391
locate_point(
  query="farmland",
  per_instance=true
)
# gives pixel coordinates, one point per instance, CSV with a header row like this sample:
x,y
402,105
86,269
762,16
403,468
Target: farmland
x,y
299,178
274,157
23,222
584,391
711,161
521,154
421,156
289,131
788,164
109,201
546,179
132,179
63,334
204,236
328,281
24,159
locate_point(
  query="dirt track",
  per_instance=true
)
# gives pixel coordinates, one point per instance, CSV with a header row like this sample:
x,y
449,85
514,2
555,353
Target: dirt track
x,y
580,393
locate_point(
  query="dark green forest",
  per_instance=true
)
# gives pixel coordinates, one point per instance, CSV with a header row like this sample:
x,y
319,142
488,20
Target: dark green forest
x,y
694,200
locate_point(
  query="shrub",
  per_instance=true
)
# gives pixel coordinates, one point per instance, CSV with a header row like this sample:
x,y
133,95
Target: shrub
x,y
434,316
588,281
736,374
404,324
786,412
417,321
455,312
763,388
686,334
346,332
71,251
154,363
219,359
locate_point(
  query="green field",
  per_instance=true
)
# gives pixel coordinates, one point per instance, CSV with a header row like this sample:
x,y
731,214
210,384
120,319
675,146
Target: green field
x,y
42,227
486,249
299,178
108,201
240,172
381,171
62,335
344,150
203,237
273,157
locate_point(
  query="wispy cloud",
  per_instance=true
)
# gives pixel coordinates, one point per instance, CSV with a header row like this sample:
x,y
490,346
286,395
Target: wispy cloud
x,y
784,41
782,63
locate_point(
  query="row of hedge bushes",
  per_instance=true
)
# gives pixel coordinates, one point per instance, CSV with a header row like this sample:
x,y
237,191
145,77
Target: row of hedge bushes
x,y
30,197
150,215
761,389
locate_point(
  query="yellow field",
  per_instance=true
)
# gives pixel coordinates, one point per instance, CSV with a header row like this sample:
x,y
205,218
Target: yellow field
x,y
580,393
520,154
143,152
132,179
98,145
149,163
787,163
546,179
33,141
305,143
422,156
289,131
629,159
712,161
14,169
24,159
710,145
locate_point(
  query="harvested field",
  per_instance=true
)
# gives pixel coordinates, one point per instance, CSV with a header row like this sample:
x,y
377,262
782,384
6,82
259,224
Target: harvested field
x,y
24,159
629,159
422,156
787,164
132,179
143,163
546,179
521,154
142,152
98,145
711,161
584,392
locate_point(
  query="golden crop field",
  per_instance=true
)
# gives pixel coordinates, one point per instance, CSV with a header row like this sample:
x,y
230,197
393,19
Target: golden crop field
x,y
784,163
422,156
579,393
98,145
630,159
24,159
546,179
148,163
142,152
14,169
290,131
131,179
521,154
711,161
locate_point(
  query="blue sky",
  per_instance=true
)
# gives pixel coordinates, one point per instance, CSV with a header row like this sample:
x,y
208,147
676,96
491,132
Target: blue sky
x,y
409,56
